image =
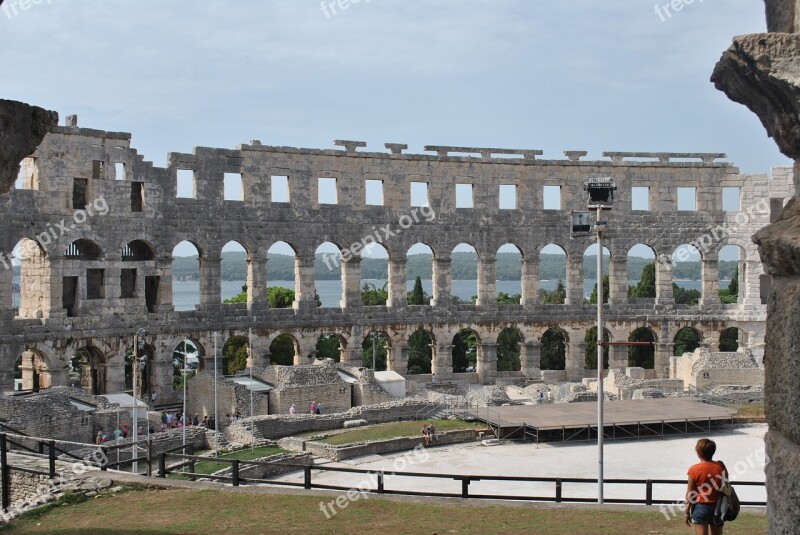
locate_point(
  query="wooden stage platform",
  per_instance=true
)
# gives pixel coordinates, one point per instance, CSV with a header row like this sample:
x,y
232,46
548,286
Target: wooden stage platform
x,y
621,419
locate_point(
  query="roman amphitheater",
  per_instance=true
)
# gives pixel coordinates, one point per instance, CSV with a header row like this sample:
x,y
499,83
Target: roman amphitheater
x,y
96,225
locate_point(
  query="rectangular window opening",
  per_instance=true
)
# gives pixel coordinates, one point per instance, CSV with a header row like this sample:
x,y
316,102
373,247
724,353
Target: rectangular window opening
x,y
552,197
731,199
98,170
128,283
95,284
464,198
137,197
419,194
151,286
186,185
119,171
508,197
373,192
280,188
69,295
327,193
687,199
233,187
79,189
640,198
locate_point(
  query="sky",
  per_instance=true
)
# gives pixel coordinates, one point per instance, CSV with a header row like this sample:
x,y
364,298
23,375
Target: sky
x,y
616,75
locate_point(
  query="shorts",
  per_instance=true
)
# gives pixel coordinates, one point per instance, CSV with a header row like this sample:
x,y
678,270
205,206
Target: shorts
x,y
703,513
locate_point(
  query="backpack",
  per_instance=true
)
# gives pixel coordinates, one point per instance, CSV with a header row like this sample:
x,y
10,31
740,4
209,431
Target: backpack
x,y
728,506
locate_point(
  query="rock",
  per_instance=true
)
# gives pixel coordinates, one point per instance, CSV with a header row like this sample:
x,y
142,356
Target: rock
x,y
354,423
22,128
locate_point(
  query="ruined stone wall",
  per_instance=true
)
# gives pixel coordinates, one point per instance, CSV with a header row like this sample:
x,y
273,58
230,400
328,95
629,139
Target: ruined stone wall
x,y
230,397
334,398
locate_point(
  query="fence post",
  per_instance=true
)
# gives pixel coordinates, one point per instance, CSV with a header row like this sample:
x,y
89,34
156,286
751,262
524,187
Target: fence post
x,y
307,477
6,501
648,498
235,472
162,465
558,490
465,487
380,482
52,458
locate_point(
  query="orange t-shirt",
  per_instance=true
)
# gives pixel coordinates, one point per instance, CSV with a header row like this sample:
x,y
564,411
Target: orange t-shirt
x,y
708,477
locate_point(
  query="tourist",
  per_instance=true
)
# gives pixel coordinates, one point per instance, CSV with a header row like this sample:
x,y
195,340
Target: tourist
x,y
426,436
292,409
212,423
432,434
99,438
153,398
549,397
313,407
124,430
117,433
433,378
204,423
238,415
319,408
705,480
539,397
196,420
164,417
168,420
227,421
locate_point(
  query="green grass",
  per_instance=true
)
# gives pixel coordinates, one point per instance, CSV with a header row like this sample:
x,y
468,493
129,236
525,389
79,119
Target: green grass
x,y
209,467
753,410
392,430
186,511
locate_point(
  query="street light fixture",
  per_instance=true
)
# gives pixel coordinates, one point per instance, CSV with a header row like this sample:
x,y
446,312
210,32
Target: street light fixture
x,y
601,197
138,343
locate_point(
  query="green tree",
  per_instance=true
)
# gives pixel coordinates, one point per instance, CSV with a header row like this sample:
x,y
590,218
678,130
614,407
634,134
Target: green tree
x,y
282,350
729,340
590,351
465,350
372,296
508,351
554,297
686,341
234,355
417,295
241,297
506,299
420,353
606,289
642,356
646,288
279,297
380,351
554,350
730,295
329,347
685,297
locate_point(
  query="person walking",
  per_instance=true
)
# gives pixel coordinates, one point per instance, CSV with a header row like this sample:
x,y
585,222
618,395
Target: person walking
x,y
313,407
292,409
702,491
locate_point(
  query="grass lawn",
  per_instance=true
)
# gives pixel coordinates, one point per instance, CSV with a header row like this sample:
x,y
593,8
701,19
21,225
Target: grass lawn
x,y
754,410
185,511
209,467
392,430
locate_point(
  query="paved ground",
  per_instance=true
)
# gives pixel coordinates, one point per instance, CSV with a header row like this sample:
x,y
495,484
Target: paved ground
x,y
742,450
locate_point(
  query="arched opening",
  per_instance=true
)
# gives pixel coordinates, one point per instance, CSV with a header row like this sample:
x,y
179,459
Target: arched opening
x,y
92,365
465,351
508,342
234,355
374,355
464,273
329,346
134,254
145,370
235,273
590,274
553,272
508,275
30,279
328,275
374,275
554,349
282,350
590,349
32,372
730,340
138,251
687,283
641,273
281,275
420,352
419,269
185,363
185,276
687,340
642,356
732,274
83,249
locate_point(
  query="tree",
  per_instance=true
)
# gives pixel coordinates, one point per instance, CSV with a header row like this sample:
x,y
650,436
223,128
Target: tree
x,y
506,299
279,297
420,353
282,350
590,351
371,296
380,343
606,289
465,346
646,288
234,355
686,341
729,340
508,351
554,297
241,297
685,297
554,350
329,347
417,295
730,295
642,356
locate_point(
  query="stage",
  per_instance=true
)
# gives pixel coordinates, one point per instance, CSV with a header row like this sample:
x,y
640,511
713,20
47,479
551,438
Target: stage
x,y
621,419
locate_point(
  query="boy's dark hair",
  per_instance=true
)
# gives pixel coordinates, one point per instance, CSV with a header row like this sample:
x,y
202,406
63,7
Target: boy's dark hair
x,y
706,448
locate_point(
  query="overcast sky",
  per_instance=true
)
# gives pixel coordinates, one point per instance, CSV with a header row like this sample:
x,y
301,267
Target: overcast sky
x,y
551,75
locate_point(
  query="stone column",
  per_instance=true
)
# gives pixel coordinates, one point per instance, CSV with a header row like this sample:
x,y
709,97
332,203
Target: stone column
x,y
26,367
161,376
398,358
441,282
256,283
6,293
115,375
662,356
210,276
261,356
304,275
487,363
351,356
711,341
710,296
574,282
664,294
530,282
530,357
398,295
442,362
617,357
351,283
618,280
487,285
576,358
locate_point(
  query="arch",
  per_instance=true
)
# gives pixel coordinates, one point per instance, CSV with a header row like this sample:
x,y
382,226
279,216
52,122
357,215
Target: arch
x,y
29,297
374,281
642,272
138,251
464,269
328,274
590,349
330,346
186,358
235,273
731,339
553,272
687,275
465,351
186,257
732,273
508,351
283,350
554,349
374,355
92,364
235,354
687,340
590,278
508,274
83,249
420,258
282,272
642,356
420,352
32,369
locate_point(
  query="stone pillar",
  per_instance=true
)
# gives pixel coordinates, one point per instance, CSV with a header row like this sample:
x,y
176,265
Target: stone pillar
x,y
617,357
487,363
530,357
710,269
398,358
530,282
576,358
351,356
6,293
26,367
256,283
261,356
442,362
664,294
441,282
398,295
618,280
662,356
304,275
750,282
711,341
161,376
487,285
210,276
574,280
351,283
115,375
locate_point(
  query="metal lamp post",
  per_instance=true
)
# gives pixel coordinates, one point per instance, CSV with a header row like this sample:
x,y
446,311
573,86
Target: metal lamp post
x,y
185,358
137,339
601,196
252,416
